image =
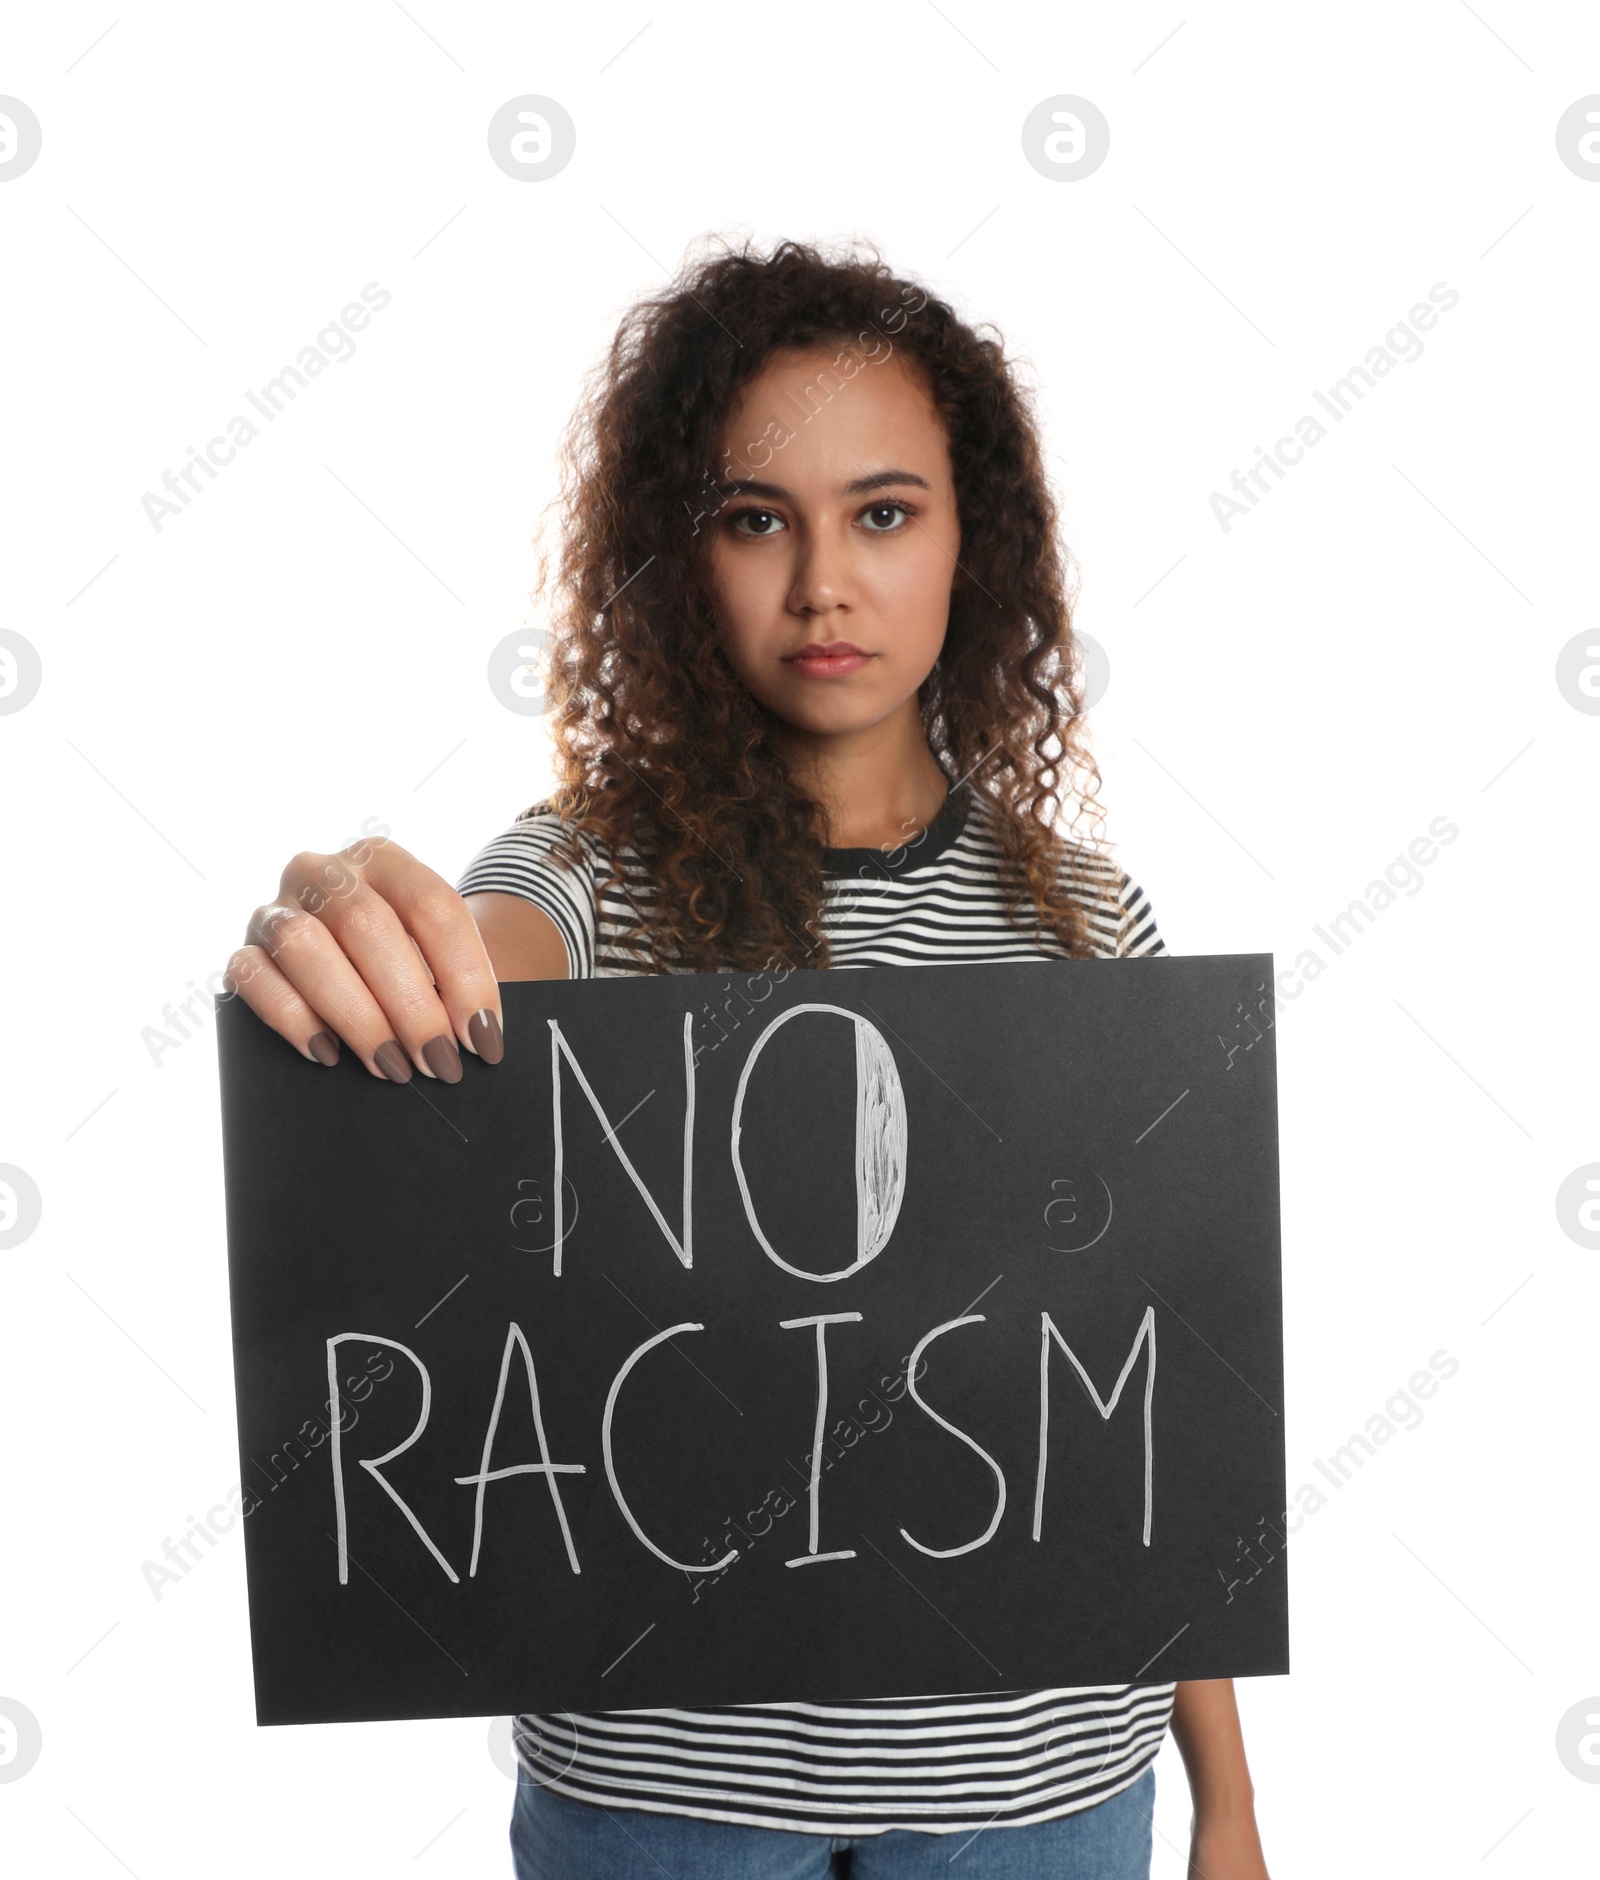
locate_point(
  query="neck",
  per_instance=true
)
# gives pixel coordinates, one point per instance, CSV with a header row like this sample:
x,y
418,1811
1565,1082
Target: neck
x,y
878,787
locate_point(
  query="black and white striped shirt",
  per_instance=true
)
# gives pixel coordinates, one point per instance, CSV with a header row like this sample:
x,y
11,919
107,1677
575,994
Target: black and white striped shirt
x,y
936,1765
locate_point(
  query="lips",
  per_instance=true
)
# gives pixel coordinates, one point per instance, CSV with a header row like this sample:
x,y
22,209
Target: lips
x,y
819,661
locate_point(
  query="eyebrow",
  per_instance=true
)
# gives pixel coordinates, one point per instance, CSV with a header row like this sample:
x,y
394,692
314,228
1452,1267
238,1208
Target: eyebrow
x,y
859,486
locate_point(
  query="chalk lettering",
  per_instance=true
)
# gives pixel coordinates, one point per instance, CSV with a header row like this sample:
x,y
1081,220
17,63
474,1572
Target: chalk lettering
x,y
544,1466
373,1464
967,1547
880,1157
1147,1331
684,1248
611,1466
821,1321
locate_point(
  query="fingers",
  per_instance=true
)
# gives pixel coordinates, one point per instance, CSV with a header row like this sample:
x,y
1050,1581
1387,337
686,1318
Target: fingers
x,y
372,947
302,983
445,933
252,975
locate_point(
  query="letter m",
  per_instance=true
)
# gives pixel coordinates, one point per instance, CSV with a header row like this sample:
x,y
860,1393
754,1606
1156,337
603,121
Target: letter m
x,y
1146,1333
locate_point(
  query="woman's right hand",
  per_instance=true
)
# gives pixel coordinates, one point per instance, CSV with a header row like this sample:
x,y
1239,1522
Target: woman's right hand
x,y
372,947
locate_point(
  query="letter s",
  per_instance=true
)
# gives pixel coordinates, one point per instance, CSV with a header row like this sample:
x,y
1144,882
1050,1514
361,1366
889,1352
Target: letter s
x,y
948,1553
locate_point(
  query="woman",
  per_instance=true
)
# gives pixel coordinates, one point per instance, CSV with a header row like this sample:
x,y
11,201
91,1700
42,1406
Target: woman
x,y
814,705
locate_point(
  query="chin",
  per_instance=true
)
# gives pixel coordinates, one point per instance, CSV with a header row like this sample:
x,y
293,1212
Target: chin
x,y
839,722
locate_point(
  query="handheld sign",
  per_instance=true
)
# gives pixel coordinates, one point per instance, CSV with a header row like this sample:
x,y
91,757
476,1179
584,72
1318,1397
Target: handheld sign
x,y
861,1333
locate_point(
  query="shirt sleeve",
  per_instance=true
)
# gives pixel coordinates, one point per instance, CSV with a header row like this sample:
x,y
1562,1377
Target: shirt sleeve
x,y
1138,936
522,861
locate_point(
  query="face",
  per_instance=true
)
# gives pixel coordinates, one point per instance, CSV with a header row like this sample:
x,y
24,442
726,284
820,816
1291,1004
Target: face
x,y
834,554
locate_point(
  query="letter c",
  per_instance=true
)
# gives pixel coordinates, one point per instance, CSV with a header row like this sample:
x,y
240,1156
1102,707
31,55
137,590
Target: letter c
x,y
683,1566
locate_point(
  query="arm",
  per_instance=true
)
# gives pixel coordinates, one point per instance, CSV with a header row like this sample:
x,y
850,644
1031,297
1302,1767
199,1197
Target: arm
x,y
1224,1843
523,941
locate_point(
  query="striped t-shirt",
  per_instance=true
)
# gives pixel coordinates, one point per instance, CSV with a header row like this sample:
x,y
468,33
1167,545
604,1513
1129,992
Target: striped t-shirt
x,y
941,1765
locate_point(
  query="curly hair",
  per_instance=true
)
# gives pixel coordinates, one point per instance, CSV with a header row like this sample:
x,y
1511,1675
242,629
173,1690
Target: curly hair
x,y
660,747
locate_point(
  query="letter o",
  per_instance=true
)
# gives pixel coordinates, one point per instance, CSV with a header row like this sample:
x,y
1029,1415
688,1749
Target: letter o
x,y
881,1139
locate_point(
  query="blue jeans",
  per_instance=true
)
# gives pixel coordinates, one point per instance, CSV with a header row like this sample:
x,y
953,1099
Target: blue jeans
x,y
556,1838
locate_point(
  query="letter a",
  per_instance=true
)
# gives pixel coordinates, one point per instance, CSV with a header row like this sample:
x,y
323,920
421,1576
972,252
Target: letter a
x,y
544,1466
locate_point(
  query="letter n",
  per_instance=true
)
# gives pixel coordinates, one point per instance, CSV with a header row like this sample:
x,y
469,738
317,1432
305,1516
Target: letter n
x,y
684,1248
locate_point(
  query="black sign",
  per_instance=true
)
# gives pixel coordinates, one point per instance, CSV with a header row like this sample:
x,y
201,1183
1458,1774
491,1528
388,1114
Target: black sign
x,y
863,1333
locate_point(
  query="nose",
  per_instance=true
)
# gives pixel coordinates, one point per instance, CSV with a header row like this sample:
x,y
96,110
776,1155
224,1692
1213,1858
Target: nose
x,y
822,582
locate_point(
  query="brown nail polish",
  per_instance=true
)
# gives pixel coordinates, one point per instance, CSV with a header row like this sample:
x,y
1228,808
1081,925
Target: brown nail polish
x,y
483,1028
324,1048
393,1062
443,1059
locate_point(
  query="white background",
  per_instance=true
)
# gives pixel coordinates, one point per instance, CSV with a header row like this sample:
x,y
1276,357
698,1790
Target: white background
x,y
1372,647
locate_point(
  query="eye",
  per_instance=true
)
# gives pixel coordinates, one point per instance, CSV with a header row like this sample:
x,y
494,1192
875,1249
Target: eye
x,y
892,510
763,516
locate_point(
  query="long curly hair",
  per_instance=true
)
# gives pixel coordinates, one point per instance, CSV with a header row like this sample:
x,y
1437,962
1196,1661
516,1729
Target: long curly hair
x,y
661,749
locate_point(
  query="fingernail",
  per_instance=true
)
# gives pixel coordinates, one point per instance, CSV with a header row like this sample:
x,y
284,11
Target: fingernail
x,y
324,1048
393,1062
483,1028
443,1059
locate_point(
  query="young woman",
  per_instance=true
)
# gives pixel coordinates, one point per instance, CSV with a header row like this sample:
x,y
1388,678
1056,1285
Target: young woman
x,y
814,704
